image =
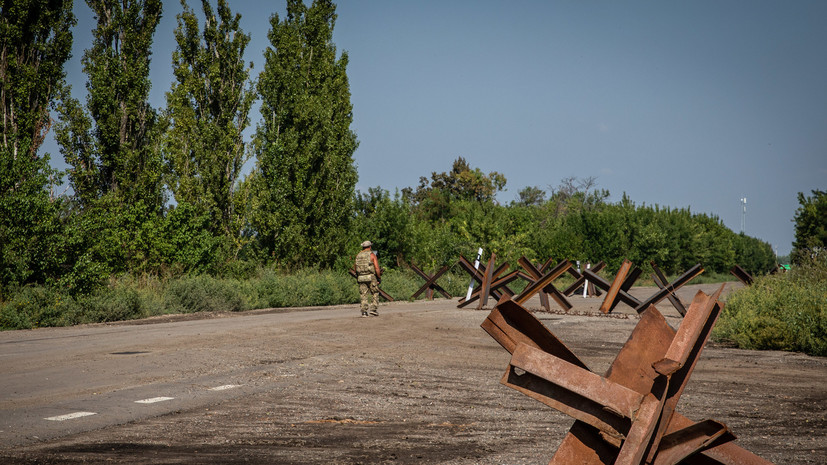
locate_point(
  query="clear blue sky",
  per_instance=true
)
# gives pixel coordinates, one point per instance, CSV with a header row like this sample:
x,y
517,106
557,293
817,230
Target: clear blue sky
x,y
681,104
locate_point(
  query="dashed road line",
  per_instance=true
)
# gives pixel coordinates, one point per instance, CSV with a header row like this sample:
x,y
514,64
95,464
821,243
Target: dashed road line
x,y
225,387
70,416
153,400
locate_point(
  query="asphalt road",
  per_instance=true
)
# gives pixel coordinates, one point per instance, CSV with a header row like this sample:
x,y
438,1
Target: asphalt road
x,y
59,381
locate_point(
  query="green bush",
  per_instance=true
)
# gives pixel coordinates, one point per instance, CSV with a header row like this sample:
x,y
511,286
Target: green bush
x,y
41,306
204,293
126,298
400,284
115,304
38,306
786,311
304,288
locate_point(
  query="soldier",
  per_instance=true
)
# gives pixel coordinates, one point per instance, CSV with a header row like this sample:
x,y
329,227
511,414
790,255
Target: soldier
x,y
368,274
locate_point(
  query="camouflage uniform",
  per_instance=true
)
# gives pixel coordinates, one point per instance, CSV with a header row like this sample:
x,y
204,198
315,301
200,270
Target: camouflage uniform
x,y
368,284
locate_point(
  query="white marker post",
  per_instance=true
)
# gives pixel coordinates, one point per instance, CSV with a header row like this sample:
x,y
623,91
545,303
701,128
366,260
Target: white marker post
x,y
476,267
586,282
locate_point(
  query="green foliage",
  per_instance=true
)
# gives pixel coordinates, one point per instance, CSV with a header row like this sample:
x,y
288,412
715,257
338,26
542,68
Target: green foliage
x,y
41,306
128,239
305,175
37,306
119,153
305,288
810,226
575,223
29,223
784,311
37,41
433,198
108,238
129,297
573,195
207,111
114,220
204,294
386,222
754,255
188,243
462,183
531,195
607,232
119,303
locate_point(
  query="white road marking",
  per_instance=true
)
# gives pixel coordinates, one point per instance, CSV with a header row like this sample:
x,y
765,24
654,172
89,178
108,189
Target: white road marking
x,y
153,400
70,416
225,387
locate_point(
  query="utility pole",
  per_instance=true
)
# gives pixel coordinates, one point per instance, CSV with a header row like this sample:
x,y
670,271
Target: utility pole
x,y
743,214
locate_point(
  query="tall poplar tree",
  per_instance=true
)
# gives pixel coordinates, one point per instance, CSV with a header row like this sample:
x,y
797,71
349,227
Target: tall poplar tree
x,y
36,42
112,146
208,109
305,175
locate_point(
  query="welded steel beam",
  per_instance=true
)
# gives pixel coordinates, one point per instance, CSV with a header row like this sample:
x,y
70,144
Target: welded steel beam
x,y
670,288
544,284
430,283
661,281
478,275
580,279
490,282
623,281
622,295
742,275
536,274
628,416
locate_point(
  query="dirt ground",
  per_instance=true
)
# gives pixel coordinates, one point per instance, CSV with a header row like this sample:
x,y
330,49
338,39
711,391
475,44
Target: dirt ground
x,y
420,384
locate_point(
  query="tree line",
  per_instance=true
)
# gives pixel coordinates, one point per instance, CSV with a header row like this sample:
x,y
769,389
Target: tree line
x,y
161,192
455,212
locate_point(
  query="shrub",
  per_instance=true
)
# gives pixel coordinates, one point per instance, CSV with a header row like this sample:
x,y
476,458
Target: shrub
x,y
304,288
114,304
204,293
785,311
38,306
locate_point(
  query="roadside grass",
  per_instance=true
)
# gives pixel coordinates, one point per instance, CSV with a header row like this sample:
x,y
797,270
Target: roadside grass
x,y
785,311
130,297
134,297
